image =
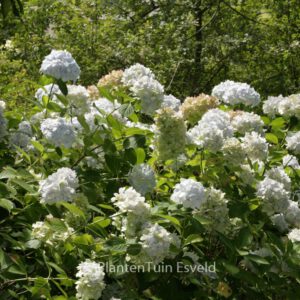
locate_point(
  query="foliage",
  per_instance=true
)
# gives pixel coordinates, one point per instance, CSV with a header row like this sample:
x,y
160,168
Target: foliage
x,y
43,242
191,45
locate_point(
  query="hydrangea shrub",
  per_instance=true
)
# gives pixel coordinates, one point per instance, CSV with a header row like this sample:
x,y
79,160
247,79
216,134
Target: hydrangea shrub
x,y
118,191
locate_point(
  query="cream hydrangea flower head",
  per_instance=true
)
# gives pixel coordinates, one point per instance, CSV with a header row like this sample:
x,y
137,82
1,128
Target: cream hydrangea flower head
x,y
193,108
170,134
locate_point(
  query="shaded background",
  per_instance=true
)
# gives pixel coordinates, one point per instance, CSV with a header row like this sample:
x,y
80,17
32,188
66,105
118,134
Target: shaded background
x,y
190,45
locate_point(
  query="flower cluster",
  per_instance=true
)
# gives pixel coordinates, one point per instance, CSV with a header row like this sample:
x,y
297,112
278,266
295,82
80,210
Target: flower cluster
x,y
90,283
142,178
193,108
170,135
232,93
143,85
189,193
113,79
59,132
59,186
284,106
60,65
43,232
211,131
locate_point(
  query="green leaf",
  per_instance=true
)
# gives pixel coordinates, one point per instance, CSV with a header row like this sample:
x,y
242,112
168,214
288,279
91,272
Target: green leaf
x,y
244,238
8,172
258,259
23,184
140,155
126,110
272,138
278,123
63,87
83,123
135,141
113,162
105,93
232,269
193,239
170,218
7,204
63,99
75,210
38,146
134,249
57,225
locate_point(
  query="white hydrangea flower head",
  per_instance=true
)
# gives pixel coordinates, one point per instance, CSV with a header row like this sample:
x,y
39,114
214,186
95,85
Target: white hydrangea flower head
x,y
255,146
189,193
78,97
142,178
171,102
59,186
243,122
233,151
211,130
3,121
270,106
221,119
61,65
215,210
59,132
292,214
151,94
48,90
170,134
294,235
274,195
90,283
156,241
130,201
278,174
290,106
279,222
232,93
134,73
142,83
246,174
22,136
290,161
206,135
293,142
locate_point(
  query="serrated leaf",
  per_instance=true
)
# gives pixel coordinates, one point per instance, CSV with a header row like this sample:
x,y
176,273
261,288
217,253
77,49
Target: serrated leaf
x,y
126,110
